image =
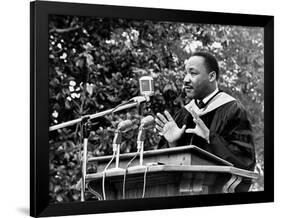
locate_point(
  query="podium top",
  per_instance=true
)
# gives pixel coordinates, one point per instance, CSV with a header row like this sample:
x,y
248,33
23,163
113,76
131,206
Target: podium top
x,y
176,168
189,150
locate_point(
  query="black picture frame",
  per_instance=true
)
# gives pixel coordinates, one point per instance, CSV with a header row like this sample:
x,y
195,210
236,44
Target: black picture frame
x,y
39,148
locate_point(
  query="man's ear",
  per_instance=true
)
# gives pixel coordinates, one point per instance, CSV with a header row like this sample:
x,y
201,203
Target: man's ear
x,y
212,76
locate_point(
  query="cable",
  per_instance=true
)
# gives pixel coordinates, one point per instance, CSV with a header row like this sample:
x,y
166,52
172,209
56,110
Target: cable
x,y
191,139
103,185
96,194
126,170
103,176
144,181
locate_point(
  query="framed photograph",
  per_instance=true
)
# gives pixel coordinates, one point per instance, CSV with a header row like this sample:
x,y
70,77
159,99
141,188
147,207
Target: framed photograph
x,y
141,109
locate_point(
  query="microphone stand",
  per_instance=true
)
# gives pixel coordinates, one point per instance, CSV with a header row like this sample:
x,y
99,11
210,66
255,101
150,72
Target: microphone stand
x,y
140,140
93,116
140,144
86,125
116,150
140,148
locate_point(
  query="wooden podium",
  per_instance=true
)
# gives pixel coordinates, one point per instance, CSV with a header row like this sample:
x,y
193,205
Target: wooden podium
x,y
186,170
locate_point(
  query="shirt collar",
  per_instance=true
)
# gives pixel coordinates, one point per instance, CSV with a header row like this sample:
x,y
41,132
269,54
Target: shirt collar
x,y
206,99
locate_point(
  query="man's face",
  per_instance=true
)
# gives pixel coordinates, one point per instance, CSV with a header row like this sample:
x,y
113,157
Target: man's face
x,y
196,80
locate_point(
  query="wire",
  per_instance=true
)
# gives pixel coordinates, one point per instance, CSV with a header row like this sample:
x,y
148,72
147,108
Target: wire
x,y
191,139
103,185
104,172
144,181
96,194
126,170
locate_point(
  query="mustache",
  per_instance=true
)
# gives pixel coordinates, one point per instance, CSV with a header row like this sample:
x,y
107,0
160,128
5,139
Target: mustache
x,y
186,85
183,91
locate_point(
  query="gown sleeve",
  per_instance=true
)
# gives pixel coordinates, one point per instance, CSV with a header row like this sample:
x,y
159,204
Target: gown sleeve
x,y
231,136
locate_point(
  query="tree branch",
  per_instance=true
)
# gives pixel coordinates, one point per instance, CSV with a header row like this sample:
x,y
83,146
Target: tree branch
x,y
64,30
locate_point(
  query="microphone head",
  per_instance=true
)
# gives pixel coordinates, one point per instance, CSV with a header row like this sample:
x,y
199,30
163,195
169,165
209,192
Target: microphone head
x,y
146,85
125,125
147,121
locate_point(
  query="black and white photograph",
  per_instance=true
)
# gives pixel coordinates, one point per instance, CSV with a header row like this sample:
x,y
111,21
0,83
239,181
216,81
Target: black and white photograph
x,y
138,109
141,108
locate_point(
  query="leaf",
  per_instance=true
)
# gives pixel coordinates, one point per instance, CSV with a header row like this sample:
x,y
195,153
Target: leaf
x,y
100,57
67,105
59,198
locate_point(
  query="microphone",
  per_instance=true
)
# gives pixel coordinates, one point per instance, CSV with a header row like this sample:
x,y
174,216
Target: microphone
x,y
146,86
124,125
147,121
146,89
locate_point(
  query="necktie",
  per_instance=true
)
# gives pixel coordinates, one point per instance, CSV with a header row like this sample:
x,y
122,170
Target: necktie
x,y
200,104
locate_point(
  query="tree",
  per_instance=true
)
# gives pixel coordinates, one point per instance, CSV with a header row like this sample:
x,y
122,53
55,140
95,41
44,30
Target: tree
x,y
95,63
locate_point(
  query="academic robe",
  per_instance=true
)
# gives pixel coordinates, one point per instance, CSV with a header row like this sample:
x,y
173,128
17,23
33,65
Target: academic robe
x,y
230,136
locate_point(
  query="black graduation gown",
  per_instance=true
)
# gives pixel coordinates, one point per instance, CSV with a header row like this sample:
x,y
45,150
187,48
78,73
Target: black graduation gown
x,y
230,137
230,134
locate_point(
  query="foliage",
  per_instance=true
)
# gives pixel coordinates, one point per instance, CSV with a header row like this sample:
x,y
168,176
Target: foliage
x,y
95,63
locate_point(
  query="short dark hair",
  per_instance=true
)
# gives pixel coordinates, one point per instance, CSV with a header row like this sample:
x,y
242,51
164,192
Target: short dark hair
x,y
210,62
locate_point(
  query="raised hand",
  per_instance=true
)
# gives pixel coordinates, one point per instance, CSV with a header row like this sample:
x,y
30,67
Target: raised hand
x,y
200,129
168,127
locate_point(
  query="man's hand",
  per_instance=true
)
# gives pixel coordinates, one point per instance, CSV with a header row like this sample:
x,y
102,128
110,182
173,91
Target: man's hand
x,y
200,129
168,127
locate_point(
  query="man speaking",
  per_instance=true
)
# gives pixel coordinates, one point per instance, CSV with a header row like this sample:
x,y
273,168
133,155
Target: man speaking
x,y
212,120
